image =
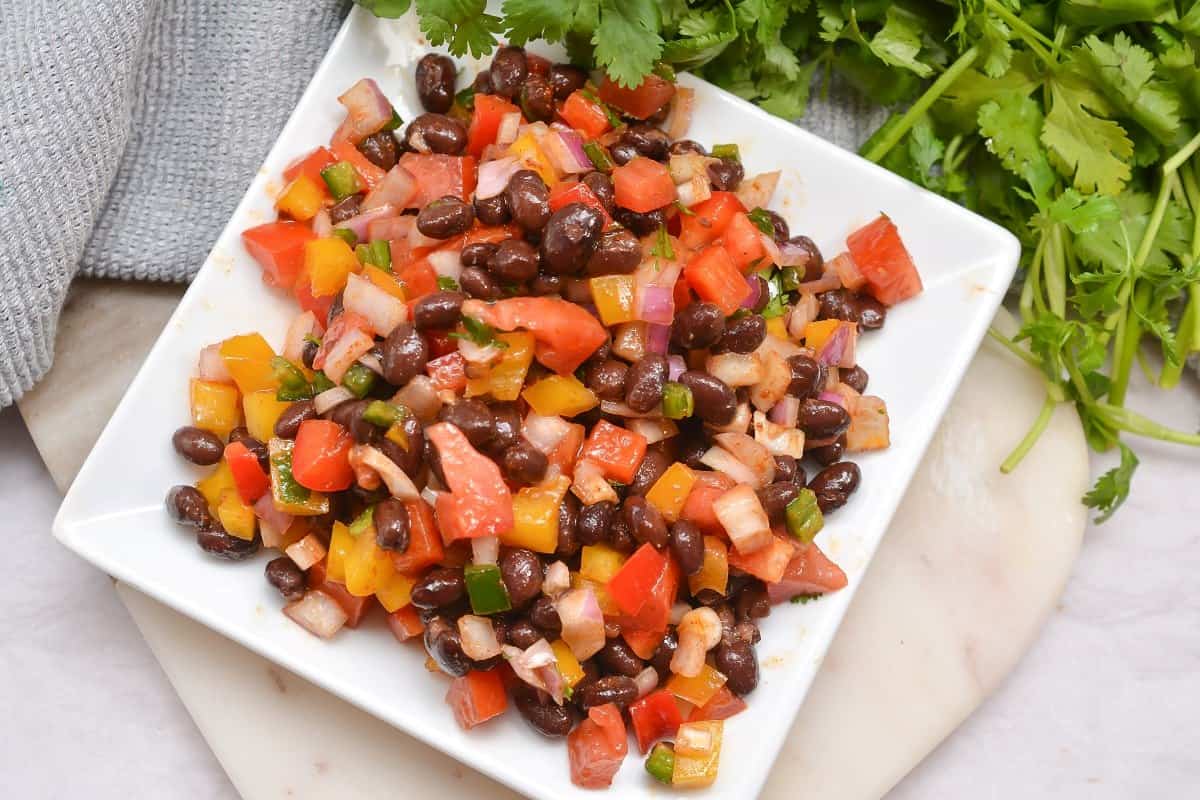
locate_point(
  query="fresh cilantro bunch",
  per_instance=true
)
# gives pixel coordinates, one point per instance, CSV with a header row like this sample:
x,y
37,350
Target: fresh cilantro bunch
x,y
1072,123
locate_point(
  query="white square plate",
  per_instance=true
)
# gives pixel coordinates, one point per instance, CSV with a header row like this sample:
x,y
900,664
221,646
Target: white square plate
x,y
113,514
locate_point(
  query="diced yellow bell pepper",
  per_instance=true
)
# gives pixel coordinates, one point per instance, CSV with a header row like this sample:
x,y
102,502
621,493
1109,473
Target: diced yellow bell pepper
x,y
506,377
671,490
560,395
367,565
236,517
384,280
248,359
397,435
568,664
697,767
714,572
599,562
341,542
288,496
613,296
535,516
778,328
214,485
395,591
698,690
817,333
608,606
302,198
214,406
526,149
329,262
262,411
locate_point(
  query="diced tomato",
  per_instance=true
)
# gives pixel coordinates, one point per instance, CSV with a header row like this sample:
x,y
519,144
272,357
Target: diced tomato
x,y
884,262
597,747
485,121
319,306
708,220
698,508
479,502
477,697
632,584
342,324
537,65
424,541
309,164
712,275
643,631
743,241
643,100
439,175
584,115
682,295
809,572
405,623
448,372
493,233
768,563
564,194
248,476
566,453
355,607
321,457
278,247
440,343
566,334
654,717
370,174
723,705
642,185
618,451
418,279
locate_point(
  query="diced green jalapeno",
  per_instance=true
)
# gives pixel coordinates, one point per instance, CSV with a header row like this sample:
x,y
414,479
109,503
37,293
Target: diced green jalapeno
x,y
762,221
466,98
382,414
321,382
789,279
804,518
285,394
377,253
677,402
287,373
287,490
661,762
359,380
348,236
395,122
363,521
447,284
729,151
598,156
486,589
341,179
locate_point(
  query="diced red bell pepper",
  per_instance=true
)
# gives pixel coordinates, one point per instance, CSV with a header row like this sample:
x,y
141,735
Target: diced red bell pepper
x,y
642,185
769,563
418,279
743,241
633,583
248,476
342,324
278,247
708,220
424,541
809,572
319,306
564,194
440,343
584,115
643,100
682,295
355,607
370,174
439,175
405,623
654,717
566,334
477,697
698,508
597,747
485,121
618,451
712,275
722,705
884,261
309,164
643,631
321,457
493,234
479,502
448,372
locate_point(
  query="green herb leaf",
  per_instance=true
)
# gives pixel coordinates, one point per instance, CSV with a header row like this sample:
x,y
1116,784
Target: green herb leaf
x,y
536,19
479,333
1091,150
461,25
1112,488
626,41
662,244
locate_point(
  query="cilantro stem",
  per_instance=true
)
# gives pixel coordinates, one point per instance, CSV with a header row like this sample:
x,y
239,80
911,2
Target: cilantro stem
x,y
1014,348
1030,287
1189,323
918,109
1132,422
1035,39
1183,154
1026,444
1056,272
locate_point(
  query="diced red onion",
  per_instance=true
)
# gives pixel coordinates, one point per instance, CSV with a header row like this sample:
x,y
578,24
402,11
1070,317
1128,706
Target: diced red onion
x,y
397,189
306,552
739,423
778,439
322,225
656,304
629,341
755,285
302,325
561,157
381,310
646,681
391,227
317,613
685,166
417,240
848,272
619,409
506,133
839,349
769,244
264,509
741,514
590,485
478,637
735,369
750,453
676,366
832,397
802,312
680,118
544,433
574,143
658,338
359,222
557,580
211,366
655,271
677,612
756,192
537,666
479,356
353,344
693,191
793,254
485,550
373,363
655,430
446,263
828,281
331,398
494,176
368,108
270,535
777,376
421,397
582,621
786,412
721,460
398,483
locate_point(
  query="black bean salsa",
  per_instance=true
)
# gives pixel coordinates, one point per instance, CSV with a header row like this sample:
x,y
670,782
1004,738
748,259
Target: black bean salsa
x,y
564,397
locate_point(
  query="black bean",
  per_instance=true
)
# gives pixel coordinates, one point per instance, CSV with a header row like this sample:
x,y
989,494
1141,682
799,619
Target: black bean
x,y
436,133
714,401
577,290
309,353
391,525
537,98
764,293
568,527
345,208
737,662
834,485
619,536
616,689
187,506
808,376
601,186
651,468
569,236
476,254
544,615
828,453
642,224
349,415
545,283
752,603
683,146
617,252
472,417
779,226
445,217
617,658
335,309
522,633
816,262
607,379
594,521
787,469
404,354
544,716
514,261
775,497
492,210
439,587
622,153
725,174
524,463
444,646
198,446
408,458
528,199
728,620
647,140
380,149
241,434
743,335
438,310
689,447
698,326
645,522
871,313
822,419
479,284
645,381
482,82
506,426
661,660
217,542
521,571
856,378
436,74
284,575
687,545
566,79
508,71
746,633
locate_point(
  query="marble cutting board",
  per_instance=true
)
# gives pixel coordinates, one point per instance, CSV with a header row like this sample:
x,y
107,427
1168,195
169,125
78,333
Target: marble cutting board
x,y
972,565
